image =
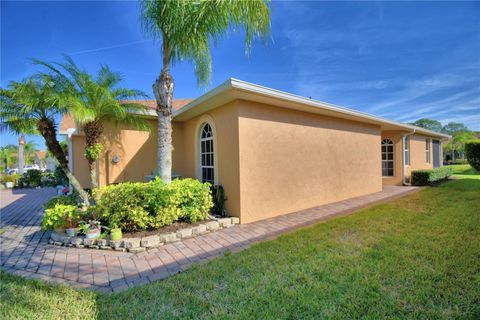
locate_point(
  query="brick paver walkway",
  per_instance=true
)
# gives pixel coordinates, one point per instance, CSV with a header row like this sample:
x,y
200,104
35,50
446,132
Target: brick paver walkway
x,y
25,250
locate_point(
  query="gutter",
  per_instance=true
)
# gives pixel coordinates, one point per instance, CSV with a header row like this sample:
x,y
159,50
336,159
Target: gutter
x,y
405,183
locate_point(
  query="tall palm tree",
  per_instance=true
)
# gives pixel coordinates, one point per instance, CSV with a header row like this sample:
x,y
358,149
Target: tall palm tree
x,y
7,155
185,29
30,107
94,100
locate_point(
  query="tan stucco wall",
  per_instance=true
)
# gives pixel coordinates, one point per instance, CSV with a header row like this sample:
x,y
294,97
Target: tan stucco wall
x,y
292,160
225,125
80,164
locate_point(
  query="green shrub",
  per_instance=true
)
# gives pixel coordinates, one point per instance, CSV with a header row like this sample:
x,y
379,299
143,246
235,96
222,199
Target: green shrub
x,y
57,216
472,151
219,199
60,177
10,178
136,206
71,199
32,178
460,161
428,177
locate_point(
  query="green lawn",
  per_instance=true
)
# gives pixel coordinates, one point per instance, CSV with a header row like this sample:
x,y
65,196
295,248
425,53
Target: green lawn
x,y
465,171
416,257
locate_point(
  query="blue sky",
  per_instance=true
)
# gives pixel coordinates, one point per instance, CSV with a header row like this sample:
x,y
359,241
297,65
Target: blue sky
x,y
403,61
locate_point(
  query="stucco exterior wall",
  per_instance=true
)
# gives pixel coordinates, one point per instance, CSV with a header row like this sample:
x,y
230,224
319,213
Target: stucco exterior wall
x,y
224,121
418,154
291,160
80,164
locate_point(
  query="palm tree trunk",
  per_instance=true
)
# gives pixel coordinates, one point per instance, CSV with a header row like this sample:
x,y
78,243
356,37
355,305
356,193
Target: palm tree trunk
x,y
163,90
93,130
49,133
21,153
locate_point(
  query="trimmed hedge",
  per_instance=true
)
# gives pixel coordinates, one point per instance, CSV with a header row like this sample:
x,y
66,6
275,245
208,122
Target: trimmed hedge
x,y
472,151
135,206
428,177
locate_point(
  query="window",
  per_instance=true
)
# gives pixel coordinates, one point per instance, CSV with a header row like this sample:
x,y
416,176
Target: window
x,y
206,154
427,149
387,158
406,150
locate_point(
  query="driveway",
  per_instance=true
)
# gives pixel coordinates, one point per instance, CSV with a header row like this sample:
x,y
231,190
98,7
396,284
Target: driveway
x,y
25,250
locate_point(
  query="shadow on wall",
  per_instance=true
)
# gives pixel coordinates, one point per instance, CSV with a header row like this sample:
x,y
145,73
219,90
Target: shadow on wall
x,y
130,155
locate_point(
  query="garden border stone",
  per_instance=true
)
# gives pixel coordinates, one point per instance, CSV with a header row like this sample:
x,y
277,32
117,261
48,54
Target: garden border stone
x,y
140,244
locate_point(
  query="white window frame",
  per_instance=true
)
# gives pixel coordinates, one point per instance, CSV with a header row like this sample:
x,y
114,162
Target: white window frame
x,y
207,140
427,150
406,150
388,143
204,119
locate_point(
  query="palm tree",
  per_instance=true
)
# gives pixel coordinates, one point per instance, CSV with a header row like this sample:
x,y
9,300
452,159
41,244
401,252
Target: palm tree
x,y
30,107
29,150
185,29
7,155
94,100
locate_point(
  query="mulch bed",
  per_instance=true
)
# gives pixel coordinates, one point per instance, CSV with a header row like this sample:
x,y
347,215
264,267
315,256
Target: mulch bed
x,y
167,229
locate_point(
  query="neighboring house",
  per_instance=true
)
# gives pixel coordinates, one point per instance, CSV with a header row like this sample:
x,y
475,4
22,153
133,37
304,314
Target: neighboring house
x,y
44,161
273,152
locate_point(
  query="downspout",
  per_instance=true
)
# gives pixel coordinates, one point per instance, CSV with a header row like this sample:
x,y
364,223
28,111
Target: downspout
x,y
405,183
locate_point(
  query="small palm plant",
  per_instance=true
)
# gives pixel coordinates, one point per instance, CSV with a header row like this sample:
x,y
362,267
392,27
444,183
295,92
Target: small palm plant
x,y
186,29
31,107
92,101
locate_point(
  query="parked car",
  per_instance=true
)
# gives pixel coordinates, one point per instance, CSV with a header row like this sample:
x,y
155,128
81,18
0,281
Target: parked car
x,y
25,169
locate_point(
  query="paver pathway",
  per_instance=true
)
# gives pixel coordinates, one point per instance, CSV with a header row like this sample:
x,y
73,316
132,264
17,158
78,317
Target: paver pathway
x,y
25,250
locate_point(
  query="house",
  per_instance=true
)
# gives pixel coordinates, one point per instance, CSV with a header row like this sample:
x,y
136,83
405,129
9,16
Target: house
x,y
273,152
44,161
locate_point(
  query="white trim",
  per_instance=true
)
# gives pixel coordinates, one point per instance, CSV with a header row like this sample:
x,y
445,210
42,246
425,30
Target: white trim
x,y
204,119
428,151
403,157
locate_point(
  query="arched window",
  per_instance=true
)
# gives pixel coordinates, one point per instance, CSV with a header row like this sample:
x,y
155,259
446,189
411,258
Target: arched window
x,y
387,158
207,166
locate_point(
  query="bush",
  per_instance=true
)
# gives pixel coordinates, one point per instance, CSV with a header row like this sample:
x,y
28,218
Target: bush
x,y
65,200
136,206
57,216
472,151
10,178
460,161
428,177
60,177
32,178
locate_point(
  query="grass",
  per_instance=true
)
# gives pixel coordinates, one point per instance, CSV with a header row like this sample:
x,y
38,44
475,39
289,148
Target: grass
x,y
415,257
465,171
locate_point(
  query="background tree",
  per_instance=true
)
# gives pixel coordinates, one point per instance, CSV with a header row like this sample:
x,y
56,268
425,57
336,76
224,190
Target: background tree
x,y
29,150
185,29
30,107
93,100
457,143
452,128
428,124
8,155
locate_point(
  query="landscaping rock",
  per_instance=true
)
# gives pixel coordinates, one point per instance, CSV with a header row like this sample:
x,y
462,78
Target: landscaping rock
x,y
235,220
58,243
93,246
184,233
102,242
200,229
106,248
119,249
131,243
225,222
79,246
136,250
168,237
212,225
116,244
89,242
150,241
76,240
59,237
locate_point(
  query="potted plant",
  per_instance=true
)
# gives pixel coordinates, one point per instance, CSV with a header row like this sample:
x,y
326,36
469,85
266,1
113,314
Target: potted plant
x,y
115,233
91,229
71,226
